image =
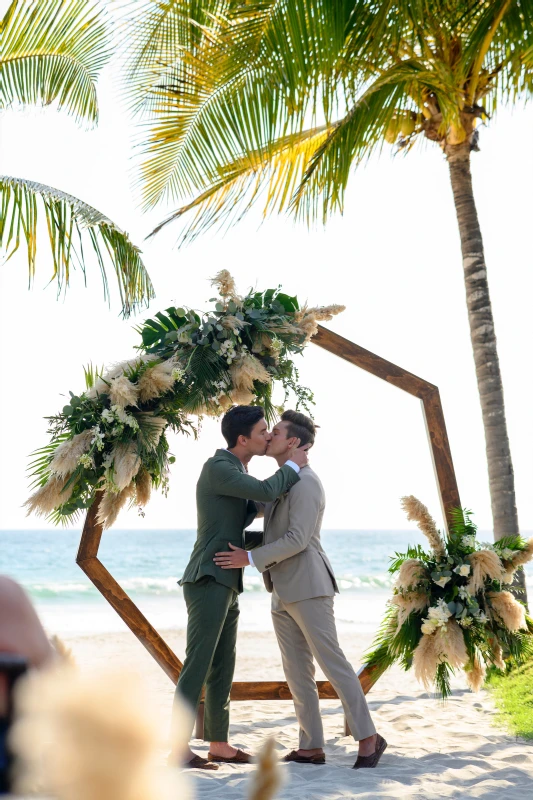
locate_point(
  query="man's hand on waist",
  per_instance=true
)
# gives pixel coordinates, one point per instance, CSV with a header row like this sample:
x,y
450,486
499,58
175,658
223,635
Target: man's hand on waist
x,y
236,558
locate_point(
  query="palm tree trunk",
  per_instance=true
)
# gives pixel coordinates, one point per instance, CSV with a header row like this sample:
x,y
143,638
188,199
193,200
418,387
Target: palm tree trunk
x,y
483,337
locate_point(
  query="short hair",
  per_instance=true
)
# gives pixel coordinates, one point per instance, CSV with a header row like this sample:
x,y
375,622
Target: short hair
x,y
239,421
300,426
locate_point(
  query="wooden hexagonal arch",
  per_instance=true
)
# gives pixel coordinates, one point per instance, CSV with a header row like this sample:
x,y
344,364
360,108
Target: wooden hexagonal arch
x,y
87,557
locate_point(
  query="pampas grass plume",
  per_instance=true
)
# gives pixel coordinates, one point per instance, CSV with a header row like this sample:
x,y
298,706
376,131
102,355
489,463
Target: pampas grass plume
x,y
266,780
122,392
412,571
242,397
90,737
509,610
225,284
497,653
50,496
143,487
156,381
418,512
111,504
246,369
68,453
475,676
126,461
425,660
485,564
408,603
450,644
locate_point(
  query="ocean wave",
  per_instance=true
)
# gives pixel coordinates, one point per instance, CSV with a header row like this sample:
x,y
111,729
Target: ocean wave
x,y
159,587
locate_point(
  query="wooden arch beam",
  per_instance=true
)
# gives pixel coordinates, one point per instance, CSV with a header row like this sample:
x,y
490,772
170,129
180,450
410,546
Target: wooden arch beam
x,y
426,392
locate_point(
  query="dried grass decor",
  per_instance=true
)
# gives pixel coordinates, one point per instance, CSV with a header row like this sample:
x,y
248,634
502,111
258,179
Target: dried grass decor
x,y
90,736
451,609
112,435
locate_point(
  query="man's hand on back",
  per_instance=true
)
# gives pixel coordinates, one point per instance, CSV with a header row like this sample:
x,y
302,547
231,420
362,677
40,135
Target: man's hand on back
x,y
299,454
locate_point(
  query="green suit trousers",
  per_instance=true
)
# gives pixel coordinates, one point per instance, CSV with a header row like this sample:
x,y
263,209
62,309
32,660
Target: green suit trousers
x,y
213,611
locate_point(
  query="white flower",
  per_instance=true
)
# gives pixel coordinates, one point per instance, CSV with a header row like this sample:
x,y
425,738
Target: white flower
x,y
438,615
442,581
107,415
487,546
507,554
125,418
178,374
463,570
481,617
429,626
468,541
86,461
108,460
464,594
465,622
98,438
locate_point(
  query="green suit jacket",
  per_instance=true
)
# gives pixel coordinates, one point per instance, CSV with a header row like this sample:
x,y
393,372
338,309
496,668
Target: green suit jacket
x,y
224,502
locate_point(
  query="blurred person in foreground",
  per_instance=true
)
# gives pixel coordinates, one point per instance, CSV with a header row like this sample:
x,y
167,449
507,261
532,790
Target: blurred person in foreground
x,y
227,501
299,575
23,645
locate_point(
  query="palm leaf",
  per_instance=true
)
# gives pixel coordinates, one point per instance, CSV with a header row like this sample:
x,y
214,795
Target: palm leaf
x,y
273,174
52,51
69,220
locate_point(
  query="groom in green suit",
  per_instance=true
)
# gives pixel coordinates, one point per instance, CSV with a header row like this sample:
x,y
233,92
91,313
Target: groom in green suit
x,y
225,496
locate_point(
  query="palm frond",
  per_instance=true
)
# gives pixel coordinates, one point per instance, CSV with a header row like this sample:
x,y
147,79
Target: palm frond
x,y
68,220
274,174
53,51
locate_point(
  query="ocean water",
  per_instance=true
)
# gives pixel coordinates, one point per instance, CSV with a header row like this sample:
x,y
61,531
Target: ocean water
x,y
148,564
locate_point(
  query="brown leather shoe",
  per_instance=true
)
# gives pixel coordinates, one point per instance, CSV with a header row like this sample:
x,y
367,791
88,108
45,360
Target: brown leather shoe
x,y
240,757
293,756
199,763
366,762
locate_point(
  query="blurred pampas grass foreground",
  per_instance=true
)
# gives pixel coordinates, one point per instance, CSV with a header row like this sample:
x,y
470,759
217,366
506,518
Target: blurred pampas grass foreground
x,y
92,736
266,780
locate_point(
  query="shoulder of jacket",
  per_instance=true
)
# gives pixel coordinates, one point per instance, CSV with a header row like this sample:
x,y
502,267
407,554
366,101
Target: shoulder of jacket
x,y
309,481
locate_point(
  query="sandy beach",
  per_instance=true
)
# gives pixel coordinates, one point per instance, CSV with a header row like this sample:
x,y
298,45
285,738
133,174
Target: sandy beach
x,y
435,750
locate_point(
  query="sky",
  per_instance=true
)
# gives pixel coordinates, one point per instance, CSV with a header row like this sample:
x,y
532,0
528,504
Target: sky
x,y
393,258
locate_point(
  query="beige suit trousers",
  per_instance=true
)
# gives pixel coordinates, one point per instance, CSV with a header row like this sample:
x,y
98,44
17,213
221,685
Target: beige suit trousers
x,y
304,630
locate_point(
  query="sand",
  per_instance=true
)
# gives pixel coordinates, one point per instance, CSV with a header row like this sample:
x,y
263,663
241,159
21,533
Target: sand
x,y
435,750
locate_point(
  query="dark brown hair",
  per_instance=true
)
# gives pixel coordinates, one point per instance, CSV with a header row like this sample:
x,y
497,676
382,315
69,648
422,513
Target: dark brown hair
x,y
239,421
300,426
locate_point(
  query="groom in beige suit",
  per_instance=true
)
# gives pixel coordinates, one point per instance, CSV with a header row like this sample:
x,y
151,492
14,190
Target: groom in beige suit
x,y
297,572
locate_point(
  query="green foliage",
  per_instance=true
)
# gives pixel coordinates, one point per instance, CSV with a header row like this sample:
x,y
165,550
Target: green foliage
x,y
412,552
52,51
69,221
513,693
276,103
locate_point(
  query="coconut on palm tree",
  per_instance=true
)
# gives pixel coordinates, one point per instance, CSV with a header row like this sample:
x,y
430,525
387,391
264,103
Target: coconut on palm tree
x,y
276,102
52,51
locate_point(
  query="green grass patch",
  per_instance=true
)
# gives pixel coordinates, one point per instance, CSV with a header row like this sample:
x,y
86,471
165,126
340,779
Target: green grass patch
x,y
513,694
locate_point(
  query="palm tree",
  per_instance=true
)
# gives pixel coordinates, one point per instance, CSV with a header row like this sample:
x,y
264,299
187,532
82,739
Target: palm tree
x,y
277,101
51,52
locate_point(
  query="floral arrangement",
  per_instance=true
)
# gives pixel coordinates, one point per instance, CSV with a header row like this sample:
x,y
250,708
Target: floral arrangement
x,y
451,608
111,438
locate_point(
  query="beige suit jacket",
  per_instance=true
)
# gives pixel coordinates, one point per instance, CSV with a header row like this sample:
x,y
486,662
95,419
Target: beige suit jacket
x,y
292,559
